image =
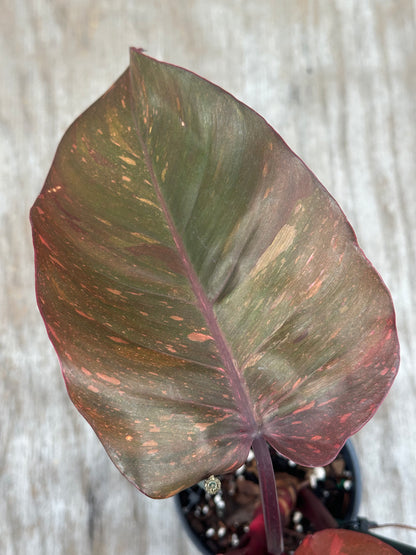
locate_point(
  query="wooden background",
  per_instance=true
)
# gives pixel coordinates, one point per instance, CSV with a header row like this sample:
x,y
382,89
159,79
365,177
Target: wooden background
x,y
337,80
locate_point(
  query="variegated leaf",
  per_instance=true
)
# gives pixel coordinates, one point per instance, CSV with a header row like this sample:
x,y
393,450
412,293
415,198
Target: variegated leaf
x,y
201,287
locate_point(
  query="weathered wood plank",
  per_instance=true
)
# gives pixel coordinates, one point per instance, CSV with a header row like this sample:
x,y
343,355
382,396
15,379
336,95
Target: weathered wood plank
x,y
338,81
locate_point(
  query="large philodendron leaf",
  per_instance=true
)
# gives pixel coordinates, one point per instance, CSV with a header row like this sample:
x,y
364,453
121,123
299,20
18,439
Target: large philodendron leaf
x,y
201,287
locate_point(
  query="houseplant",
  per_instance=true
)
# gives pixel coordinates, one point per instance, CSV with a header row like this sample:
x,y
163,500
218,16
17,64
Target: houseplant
x,y
203,291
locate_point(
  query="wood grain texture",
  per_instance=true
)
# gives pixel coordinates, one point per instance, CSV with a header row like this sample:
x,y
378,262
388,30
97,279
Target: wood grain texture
x,y
338,82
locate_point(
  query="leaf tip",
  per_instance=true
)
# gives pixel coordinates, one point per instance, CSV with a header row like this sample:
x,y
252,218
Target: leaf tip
x,y
134,50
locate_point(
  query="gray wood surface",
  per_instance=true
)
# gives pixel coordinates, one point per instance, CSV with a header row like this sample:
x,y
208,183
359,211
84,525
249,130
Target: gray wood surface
x,y
337,80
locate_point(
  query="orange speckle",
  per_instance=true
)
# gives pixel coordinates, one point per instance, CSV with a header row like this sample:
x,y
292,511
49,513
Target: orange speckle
x,y
199,337
125,178
52,332
114,291
297,382
93,388
329,401
42,240
306,407
109,379
150,443
146,201
117,339
177,318
85,371
345,417
129,438
128,160
334,334
314,288
56,261
83,314
310,258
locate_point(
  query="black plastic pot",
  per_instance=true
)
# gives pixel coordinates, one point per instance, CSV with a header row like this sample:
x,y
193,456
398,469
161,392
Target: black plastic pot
x,y
339,491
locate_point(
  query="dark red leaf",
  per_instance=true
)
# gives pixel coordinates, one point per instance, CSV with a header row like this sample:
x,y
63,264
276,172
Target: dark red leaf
x,y
201,287
343,542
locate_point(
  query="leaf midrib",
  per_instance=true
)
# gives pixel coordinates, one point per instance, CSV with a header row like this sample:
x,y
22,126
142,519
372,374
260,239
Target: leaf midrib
x,y
237,381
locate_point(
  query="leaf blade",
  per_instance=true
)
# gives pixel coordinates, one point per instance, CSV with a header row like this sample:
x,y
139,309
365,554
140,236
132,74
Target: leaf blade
x,y
143,290
345,542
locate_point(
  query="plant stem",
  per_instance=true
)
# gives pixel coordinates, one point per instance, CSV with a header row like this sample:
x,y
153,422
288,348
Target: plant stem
x,y
314,510
271,512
